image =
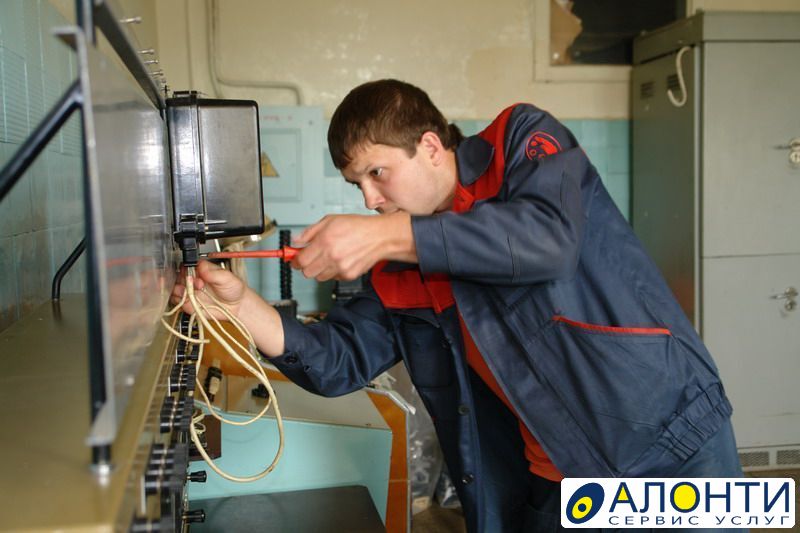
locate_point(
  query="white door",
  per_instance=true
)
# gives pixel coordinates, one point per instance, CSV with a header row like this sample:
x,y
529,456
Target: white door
x,y
755,341
749,117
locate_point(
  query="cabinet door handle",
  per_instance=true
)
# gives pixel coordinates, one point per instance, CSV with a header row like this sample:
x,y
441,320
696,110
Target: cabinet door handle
x,y
790,295
794,151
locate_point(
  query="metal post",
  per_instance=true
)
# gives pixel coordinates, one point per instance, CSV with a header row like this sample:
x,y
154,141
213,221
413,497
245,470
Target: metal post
x,y
84,17
73,257
285,239
101,454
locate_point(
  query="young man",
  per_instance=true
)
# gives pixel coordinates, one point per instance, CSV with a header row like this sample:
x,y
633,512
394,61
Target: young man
x,y
542,339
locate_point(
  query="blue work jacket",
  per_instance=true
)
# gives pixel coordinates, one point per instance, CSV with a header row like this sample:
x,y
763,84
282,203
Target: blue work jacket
x,y
573,318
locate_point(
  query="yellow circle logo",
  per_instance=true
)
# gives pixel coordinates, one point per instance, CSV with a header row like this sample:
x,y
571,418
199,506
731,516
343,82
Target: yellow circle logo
x,y
684,497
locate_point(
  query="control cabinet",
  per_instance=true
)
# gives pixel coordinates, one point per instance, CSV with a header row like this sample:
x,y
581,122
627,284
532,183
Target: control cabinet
x,y
716,178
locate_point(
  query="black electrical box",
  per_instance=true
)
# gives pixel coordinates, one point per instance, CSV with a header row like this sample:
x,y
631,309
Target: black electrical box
x,y
216,169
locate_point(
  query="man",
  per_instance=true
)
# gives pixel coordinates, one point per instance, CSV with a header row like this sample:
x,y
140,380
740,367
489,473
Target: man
x,y
541,337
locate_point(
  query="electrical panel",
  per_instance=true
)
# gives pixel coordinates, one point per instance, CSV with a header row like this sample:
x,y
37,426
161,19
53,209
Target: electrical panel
x,y
292,144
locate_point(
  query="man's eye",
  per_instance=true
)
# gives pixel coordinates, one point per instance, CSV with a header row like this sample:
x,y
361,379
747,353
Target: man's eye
x,y
376,172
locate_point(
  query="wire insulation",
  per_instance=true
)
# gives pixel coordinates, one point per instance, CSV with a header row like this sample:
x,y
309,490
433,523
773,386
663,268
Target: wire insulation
x,y
206,321
679,68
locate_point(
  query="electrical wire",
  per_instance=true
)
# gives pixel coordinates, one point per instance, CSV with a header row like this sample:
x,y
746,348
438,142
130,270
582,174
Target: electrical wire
x,y
197,420
202,313
212,408
679,67
174,331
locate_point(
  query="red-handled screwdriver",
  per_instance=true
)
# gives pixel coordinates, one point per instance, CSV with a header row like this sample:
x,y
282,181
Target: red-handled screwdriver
x,y
286,253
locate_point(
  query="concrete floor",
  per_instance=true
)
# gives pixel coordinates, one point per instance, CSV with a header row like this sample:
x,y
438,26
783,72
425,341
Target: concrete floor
x,y
434,519
438,520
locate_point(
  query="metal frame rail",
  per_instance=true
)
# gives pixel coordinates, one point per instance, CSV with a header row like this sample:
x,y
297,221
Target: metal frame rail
x,y
90,14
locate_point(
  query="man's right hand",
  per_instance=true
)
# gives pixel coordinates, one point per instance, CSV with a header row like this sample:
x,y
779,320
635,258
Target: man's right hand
x,y
223,284
260,318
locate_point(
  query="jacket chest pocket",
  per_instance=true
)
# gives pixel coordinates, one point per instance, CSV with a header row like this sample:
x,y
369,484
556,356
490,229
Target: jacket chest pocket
x,y
426,352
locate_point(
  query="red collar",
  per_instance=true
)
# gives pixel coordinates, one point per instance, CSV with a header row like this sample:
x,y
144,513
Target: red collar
x,y
463,199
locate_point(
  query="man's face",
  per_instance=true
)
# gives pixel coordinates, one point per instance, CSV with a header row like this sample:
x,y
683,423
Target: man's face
x,y
392,181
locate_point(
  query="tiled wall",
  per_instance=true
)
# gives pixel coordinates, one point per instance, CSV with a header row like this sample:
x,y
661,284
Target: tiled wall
x,y
41,220
606,142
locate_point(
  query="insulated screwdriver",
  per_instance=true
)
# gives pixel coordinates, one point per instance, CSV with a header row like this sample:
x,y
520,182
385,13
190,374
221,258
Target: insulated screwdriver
x,y
286,253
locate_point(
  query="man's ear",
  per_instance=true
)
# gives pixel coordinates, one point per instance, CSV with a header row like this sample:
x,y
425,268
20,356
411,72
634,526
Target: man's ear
x,y
431,145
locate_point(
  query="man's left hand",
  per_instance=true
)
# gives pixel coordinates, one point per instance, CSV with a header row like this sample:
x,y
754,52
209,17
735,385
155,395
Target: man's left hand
x,y
346,246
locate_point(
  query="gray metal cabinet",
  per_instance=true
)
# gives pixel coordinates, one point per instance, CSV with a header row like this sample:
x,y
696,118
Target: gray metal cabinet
x,y
716,201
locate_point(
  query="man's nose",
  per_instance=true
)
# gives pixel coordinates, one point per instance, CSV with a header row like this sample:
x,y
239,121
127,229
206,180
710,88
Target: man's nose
x,y
372,198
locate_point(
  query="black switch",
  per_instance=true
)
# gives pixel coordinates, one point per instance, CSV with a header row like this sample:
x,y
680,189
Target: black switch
x,y
197,515
198,477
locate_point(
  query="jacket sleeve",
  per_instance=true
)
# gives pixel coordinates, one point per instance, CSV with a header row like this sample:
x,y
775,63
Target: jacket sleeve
x,y
342,353
531,230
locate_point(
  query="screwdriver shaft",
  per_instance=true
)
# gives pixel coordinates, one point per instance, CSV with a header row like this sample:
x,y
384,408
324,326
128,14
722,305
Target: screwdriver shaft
x,y
286,253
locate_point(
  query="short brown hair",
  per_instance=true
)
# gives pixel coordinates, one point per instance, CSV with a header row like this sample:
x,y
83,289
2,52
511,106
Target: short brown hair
x,y
389,112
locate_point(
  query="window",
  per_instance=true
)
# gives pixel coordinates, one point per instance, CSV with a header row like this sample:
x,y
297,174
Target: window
x,y
592,40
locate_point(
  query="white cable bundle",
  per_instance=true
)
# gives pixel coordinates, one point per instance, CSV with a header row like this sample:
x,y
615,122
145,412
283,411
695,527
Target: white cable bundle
x,y
203,313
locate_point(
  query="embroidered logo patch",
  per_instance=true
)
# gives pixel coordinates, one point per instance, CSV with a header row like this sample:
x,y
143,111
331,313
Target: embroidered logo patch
x,y
541,144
